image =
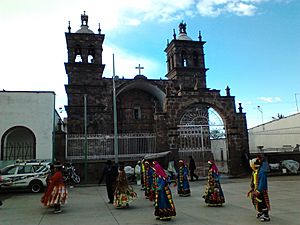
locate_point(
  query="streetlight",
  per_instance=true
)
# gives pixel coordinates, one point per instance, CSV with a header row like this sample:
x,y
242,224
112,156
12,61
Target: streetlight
x,y
115,115
262,116
297,101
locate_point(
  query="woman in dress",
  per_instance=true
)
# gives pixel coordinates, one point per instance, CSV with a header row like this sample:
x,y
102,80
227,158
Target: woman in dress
x,y
164,205
124,193
213,194
183,186
56,192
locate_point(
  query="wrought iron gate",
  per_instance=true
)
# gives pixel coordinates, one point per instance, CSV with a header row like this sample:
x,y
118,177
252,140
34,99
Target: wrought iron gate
x,y
195,130
99,146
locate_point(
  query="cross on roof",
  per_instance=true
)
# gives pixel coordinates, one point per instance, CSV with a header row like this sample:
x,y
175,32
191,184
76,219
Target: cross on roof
x,y
139,68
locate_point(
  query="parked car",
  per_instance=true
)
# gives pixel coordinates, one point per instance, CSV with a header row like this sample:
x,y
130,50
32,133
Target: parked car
x,y
25,175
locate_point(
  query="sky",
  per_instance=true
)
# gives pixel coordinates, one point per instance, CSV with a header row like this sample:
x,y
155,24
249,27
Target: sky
x,y
252,46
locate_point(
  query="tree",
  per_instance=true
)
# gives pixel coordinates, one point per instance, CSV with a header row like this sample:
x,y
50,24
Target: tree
x,y
278,116
217,134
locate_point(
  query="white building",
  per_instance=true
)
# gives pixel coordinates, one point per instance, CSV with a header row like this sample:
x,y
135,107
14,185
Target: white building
x,y
277,135
27,124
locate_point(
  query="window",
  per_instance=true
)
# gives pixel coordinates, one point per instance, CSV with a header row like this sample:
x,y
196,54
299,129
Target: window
x,y
10,171
183,59
137,113
25,169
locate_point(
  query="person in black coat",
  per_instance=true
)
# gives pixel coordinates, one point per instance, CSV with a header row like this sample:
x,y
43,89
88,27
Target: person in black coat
x,y
110,173
192,168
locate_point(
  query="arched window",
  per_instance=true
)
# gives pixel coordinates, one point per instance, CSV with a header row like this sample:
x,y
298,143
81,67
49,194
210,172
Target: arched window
x,y
78,54
91,54
18,143
183,59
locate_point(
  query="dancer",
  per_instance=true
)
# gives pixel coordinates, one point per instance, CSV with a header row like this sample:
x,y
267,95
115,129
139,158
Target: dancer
x,y
259,189
213,194
56,193
124,193
164,205
147,180
183,186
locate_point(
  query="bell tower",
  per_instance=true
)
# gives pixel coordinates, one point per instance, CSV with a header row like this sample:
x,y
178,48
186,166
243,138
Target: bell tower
x,y
185,59
84,70
84,52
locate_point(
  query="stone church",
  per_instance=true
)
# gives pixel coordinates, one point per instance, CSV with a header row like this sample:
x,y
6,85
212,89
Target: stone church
x,y
152,116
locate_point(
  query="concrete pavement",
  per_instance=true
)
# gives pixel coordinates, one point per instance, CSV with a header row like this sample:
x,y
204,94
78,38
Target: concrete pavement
x,y
88,206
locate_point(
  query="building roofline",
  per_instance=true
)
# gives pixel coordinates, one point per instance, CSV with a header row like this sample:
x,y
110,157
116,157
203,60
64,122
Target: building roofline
x,y
4,91
275,120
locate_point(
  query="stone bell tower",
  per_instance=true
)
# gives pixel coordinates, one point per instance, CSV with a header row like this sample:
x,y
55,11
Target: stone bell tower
x,y
185,60
84,69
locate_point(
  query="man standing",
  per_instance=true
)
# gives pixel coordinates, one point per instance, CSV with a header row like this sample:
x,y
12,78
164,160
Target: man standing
x,y
192,168
110,173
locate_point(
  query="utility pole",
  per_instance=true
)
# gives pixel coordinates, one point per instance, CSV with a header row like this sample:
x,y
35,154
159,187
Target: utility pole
x,y
85,139
116,150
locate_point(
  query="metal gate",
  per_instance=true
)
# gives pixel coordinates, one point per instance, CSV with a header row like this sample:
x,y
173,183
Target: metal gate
x,y
99,146
197,134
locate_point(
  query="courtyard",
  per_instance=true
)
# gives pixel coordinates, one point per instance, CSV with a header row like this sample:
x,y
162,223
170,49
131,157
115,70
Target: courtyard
x,y
88,205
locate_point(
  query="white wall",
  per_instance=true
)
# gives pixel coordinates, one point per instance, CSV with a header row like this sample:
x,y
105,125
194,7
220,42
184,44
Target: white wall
x,y
219,147
276,134
34,110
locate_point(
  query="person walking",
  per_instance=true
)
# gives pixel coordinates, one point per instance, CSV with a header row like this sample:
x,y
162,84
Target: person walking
x,y
56,193
110,172
213,195
164,205
183,186
192,168
124,193
259,189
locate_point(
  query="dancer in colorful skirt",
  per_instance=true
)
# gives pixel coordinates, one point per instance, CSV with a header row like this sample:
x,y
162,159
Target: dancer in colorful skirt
x,y
56,192
183,186
259,189
164,205
213,195
151,182
147,180
124,193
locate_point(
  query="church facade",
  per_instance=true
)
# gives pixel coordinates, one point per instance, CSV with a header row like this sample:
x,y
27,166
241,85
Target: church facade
x,y
152,115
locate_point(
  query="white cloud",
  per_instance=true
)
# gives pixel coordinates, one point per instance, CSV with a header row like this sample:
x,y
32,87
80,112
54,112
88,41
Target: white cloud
x,y
217,7
270,99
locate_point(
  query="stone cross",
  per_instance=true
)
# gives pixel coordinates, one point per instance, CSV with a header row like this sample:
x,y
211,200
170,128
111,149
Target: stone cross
x,y
139,68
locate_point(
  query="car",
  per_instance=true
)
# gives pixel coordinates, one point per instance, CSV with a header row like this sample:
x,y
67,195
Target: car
x,y
30,175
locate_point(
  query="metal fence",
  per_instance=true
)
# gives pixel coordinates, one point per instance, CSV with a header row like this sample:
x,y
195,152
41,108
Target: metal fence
x,y
99,146
20,150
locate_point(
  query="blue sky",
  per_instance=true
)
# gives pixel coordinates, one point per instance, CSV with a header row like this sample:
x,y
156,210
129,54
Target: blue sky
x,y
252,45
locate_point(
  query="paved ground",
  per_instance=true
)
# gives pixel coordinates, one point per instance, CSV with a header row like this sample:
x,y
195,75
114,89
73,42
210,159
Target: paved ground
x,y
87,205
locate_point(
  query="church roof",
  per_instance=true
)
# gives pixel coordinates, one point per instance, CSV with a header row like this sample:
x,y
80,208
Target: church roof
x,y
184,37
84,30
